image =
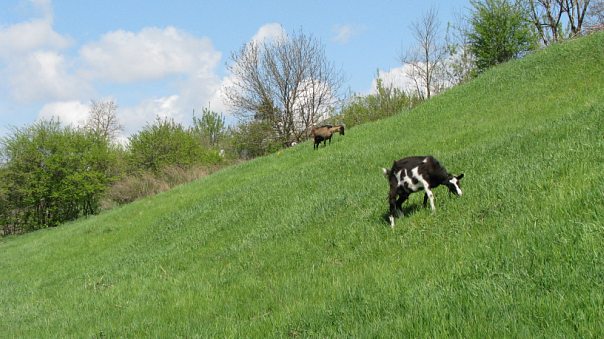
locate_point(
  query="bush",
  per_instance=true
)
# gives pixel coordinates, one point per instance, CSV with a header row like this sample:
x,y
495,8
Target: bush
x,y
255,138
52,174
500,32
135,186
210,128
387,101
166,143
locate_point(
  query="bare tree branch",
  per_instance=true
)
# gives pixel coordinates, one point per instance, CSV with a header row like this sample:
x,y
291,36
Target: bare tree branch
x,y
595,14
287,83
102,119
460,62
426,59
547,17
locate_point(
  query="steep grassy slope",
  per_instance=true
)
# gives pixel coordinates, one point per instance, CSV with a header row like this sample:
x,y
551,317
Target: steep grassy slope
x,y
296,243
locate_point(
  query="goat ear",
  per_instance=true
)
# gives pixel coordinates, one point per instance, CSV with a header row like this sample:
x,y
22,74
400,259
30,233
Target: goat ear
x,y
386,172
459,176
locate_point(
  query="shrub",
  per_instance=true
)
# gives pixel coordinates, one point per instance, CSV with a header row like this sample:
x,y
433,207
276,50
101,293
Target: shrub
x,y
500,32
52,174
146,183
166,143
387,101
255,138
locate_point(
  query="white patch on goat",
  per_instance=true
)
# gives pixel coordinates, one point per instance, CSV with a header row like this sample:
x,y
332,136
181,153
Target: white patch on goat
x,y
455,182
431,198
398,178
391,221
425,161
421,183
426,187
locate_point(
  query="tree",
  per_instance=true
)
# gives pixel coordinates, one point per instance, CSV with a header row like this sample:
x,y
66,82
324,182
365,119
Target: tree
x,y
167,143
286,83
253,139
6,224
425,60
575,12
460,65
52,174
549,16
595,15
210,127
499,32
102,119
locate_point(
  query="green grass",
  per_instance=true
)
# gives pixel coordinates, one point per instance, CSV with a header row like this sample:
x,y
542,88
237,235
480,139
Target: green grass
x,y
297,243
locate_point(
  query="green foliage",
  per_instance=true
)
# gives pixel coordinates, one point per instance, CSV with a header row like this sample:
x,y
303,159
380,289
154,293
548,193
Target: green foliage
x,y
500,31
165,143
255,138
52,174
388,101
210,128
7,227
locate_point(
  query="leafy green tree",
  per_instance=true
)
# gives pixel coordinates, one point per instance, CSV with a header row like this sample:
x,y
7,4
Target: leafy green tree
x,y
500,31
52,174
165,143
6,227
254,138
210,127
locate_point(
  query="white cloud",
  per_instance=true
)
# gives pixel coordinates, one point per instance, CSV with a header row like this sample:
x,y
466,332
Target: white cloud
x,y
200,88
396,77
43,75
73,113
157,54
127,57
150,54
31,62
135,118
25,37
272,31
343,33
217,101
37,66
35,34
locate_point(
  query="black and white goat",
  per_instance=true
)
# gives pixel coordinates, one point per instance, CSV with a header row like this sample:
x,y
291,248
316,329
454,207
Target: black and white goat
x,y
414,174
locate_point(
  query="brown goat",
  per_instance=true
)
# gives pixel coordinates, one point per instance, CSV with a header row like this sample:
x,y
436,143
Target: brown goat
x,y
325,133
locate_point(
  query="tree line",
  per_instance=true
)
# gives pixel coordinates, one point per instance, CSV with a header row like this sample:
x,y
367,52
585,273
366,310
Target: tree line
x,y
51,174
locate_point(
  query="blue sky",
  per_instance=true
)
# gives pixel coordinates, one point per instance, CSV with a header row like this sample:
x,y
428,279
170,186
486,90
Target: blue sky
x,y
157,58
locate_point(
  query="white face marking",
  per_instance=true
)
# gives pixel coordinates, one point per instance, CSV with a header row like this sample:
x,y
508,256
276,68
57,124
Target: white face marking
x,y
455,182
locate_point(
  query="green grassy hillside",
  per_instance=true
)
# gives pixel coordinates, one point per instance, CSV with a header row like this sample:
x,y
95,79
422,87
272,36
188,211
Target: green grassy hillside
x,y
297,243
